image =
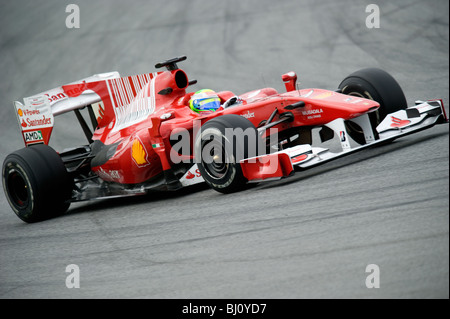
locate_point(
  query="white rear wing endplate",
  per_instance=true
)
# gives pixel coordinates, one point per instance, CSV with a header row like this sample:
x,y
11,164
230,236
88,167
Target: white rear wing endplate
x,y
36,114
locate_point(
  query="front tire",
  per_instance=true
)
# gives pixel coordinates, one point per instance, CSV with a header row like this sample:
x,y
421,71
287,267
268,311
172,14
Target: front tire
x,y
378,85
219,147
36,183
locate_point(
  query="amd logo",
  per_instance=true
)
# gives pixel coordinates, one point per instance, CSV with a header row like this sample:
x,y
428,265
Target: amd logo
x,y
33,136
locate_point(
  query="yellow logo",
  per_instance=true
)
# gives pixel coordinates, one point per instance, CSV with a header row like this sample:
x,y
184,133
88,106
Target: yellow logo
x,y
323,95
20,112
139,153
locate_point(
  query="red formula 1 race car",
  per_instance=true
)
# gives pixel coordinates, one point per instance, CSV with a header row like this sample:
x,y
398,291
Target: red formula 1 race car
x,y
146,137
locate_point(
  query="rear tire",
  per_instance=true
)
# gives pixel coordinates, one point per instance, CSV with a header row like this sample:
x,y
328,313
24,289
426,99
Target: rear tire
x,y
378,85
36,183
220,157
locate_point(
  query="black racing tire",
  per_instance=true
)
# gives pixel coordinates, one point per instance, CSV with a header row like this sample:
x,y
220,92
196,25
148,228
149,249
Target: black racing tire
x,y
378,85
36,183
225,174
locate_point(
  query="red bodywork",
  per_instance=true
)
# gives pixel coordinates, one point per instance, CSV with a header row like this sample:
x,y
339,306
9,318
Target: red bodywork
x,y
139,113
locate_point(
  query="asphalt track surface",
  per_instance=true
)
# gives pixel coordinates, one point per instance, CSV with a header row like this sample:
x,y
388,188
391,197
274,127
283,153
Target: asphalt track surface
x,y
310,236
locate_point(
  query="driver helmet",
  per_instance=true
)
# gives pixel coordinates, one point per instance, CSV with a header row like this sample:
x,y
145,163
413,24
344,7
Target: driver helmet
x,y
205,100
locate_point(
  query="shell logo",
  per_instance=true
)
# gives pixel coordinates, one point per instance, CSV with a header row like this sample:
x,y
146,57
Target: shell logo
x,y
139,153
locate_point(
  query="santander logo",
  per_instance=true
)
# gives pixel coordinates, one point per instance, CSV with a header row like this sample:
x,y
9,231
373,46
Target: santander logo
x,y
56,97
190,175
396,122
74,90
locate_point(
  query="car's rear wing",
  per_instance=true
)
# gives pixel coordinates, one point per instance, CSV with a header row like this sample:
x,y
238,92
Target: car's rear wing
x,y
107,97
36,114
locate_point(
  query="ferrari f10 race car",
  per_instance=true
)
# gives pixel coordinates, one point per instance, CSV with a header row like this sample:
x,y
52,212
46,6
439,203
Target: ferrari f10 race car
x,y
144,135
